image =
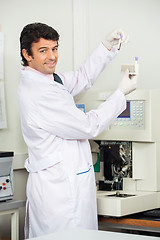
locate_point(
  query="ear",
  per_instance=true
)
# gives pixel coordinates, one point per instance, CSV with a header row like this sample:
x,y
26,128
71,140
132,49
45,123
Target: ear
x,y
26,56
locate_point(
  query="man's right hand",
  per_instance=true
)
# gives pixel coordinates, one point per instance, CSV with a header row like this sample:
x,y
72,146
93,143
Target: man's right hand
x,y
113,37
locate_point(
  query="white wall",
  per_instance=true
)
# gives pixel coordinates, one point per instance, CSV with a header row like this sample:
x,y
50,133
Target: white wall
x,y
140,19
14,15
82,24
92,21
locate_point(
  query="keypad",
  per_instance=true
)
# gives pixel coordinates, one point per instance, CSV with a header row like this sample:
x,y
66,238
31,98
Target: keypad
x,y
136,119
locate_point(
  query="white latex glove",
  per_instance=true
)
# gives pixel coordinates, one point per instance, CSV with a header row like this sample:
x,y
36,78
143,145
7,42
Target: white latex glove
x,y
128,83
113,37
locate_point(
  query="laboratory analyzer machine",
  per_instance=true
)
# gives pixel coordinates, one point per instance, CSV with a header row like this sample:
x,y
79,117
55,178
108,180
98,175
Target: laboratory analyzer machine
x,y
129,152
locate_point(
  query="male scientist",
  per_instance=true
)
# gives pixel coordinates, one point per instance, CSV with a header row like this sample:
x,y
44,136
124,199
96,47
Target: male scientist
x,y
61,192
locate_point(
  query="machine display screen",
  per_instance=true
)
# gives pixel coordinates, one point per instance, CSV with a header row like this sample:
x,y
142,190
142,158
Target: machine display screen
x,y
126,113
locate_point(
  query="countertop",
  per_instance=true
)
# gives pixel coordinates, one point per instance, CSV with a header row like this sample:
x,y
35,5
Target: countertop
x,y
93,235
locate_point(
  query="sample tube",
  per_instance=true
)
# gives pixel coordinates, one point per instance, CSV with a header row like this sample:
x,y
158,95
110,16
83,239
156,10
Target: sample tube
x,y
120,42
136,65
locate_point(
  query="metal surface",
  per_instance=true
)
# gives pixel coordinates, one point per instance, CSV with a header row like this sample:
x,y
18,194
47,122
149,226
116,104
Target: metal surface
x,y
6,176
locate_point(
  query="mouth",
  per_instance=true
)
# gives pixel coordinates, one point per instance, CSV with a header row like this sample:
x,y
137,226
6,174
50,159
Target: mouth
x,y
50,64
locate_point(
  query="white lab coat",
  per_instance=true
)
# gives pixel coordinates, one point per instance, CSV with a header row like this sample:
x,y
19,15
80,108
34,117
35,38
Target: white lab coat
x,y
61,191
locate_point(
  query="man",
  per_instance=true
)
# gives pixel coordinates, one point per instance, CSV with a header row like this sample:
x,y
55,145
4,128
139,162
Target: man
x,y
61,191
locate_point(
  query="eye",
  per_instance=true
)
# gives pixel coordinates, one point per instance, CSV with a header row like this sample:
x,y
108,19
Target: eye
x,y
54,49
42,51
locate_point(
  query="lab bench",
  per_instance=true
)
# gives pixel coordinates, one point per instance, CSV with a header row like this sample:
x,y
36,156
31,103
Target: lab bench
x,y
135,224
92,234
12,207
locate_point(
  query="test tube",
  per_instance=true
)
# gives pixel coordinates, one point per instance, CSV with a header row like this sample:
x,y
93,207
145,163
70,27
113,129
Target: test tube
x,y
136,65
120,42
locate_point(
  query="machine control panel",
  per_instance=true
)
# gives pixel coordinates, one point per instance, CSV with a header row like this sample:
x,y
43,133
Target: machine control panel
x,y
5,187
133,117
6,175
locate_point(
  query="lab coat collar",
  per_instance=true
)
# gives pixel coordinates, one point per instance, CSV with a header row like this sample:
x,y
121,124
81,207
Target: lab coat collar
x,y
38,76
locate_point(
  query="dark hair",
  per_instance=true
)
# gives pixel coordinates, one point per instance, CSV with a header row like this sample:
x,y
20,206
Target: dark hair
x,y
32,33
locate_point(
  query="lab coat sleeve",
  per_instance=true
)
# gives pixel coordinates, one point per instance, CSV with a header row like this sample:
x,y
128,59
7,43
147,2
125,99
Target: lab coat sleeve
x,y
63,119
82,79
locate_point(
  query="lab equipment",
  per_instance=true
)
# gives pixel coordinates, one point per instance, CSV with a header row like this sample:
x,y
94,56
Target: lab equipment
x,y
6,176
120,42
132,68
129,180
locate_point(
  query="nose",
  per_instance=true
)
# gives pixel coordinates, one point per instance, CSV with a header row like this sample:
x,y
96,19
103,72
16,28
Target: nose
x,y
51,55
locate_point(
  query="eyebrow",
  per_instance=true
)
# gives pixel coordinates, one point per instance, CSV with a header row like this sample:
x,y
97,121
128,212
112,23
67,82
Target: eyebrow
x,y
47,47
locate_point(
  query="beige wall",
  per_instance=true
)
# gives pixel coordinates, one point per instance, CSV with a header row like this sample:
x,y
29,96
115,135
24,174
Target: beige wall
x,y
82,24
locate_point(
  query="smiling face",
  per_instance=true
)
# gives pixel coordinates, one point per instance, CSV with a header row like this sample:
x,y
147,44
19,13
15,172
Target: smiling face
x,y
44,56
